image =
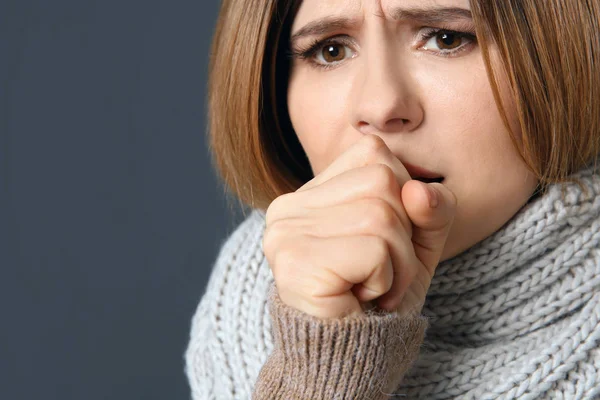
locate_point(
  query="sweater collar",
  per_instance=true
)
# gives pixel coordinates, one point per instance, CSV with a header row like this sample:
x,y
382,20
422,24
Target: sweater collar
x,y
528,264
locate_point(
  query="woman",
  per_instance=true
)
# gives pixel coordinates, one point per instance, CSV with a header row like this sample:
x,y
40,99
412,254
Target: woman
x,y
426,202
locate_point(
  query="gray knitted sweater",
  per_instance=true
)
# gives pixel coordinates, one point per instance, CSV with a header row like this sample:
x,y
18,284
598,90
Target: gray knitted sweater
x,y
515,316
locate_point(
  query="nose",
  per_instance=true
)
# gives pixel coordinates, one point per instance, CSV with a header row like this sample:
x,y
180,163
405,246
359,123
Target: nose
x,y
385,97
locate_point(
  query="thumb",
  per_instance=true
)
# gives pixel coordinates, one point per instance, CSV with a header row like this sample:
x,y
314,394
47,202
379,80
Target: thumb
x,y
431,208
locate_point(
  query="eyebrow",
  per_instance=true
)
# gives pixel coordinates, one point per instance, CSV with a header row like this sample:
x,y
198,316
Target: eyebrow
x,y
426,15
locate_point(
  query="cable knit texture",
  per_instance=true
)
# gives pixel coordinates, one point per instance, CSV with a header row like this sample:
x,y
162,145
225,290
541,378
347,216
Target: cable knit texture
x,y
514,317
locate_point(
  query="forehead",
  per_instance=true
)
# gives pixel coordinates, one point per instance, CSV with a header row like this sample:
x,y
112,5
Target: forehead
x,y
312,9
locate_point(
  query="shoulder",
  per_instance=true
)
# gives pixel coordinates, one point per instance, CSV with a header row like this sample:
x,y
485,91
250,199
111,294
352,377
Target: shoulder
x,y
243,237
230,333
238,250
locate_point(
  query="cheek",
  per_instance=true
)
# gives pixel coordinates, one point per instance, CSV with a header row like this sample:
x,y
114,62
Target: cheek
x,y
492,154
465,123
484,169
317,113
489,177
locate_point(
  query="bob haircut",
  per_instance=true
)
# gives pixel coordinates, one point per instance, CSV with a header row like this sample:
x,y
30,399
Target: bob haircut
x,y
549,50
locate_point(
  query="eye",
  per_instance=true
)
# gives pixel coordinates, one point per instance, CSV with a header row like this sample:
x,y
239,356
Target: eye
x,y
325,54
447,42
332,53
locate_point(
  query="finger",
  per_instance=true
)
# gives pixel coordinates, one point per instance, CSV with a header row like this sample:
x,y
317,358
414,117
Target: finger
x,y
429,235
370,181
326,269
431,224
370,216
370,149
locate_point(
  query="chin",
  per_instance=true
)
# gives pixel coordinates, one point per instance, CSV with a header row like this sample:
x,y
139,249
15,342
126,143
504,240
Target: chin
x,y
452,250
447,254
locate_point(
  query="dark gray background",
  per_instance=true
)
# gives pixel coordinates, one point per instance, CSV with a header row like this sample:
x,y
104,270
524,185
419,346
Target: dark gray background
x,y
111,215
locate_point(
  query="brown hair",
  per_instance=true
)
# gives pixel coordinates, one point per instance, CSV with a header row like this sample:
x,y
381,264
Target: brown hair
x,y
549,51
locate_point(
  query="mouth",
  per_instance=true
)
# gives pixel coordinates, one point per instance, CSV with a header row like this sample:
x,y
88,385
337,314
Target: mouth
x,y
422,174
429,180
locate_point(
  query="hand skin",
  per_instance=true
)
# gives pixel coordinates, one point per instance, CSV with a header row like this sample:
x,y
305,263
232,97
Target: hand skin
x,y
360,233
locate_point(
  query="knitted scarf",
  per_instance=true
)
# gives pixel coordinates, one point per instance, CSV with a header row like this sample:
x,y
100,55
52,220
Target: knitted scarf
x,y
517,315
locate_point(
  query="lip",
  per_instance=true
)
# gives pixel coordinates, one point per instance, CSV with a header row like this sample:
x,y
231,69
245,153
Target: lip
x,y
418,172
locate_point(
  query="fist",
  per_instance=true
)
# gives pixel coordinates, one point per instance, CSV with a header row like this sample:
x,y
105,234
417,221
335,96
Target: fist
x,y
358,235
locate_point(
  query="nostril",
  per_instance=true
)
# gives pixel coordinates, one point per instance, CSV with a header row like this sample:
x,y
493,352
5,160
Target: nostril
x,y
390,125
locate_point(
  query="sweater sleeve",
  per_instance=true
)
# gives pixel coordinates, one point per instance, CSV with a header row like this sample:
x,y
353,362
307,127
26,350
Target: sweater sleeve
x,y
354,357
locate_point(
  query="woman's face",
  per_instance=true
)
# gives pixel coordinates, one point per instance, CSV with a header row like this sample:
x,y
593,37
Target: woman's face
x,y
381,67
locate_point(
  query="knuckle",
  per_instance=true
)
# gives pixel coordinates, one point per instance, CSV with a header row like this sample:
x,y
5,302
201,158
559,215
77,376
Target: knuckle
x,y
273,236
384,179
291,269
380,252
286,257
279,204
374,146
380,215
373,142
280,267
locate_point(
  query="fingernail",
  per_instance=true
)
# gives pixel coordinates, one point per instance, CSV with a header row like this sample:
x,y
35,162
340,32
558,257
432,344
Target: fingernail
x,y
433,196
